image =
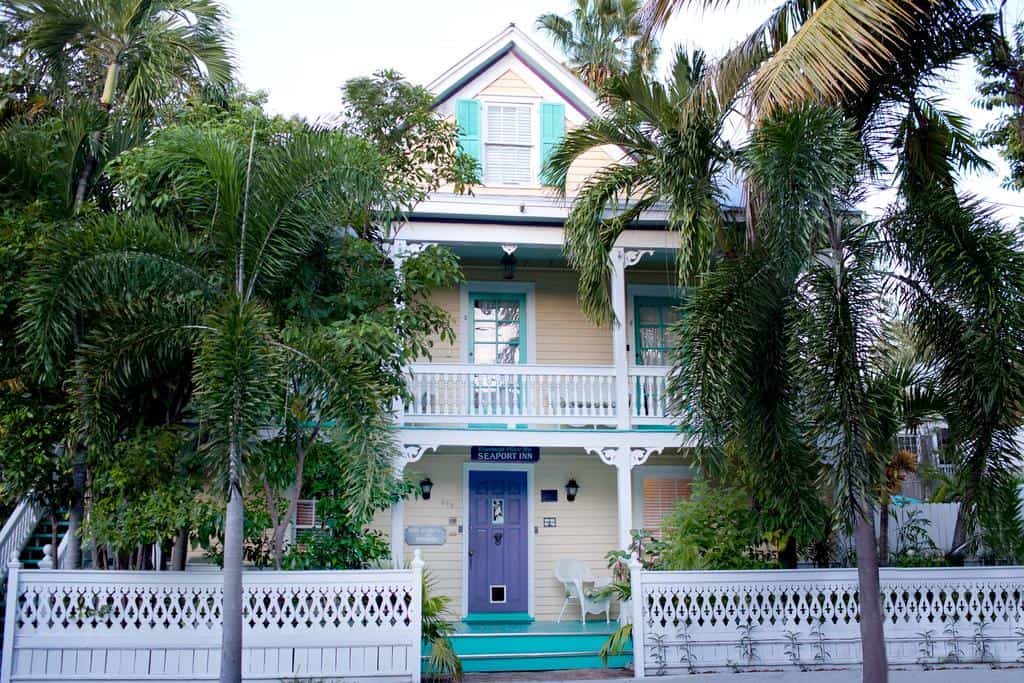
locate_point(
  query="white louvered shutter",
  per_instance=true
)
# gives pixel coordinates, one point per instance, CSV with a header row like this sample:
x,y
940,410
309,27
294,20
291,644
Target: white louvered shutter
x,y
508,150
660,498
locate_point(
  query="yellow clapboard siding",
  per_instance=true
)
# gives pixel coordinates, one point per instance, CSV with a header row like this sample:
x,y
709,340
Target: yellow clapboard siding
x,y
564,336
586,528
509,84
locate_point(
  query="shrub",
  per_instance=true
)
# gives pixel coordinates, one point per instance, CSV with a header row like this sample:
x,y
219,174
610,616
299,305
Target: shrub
x,y
717,528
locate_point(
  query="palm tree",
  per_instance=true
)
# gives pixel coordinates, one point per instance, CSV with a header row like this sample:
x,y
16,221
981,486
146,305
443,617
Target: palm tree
x,y
157,291
146,50
600,38
674,155
833,50
802,300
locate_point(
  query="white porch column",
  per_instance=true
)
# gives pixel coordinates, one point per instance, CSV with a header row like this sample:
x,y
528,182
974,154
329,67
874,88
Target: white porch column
x,y
398,520
400,251
619,353
624,459
410,453
620,260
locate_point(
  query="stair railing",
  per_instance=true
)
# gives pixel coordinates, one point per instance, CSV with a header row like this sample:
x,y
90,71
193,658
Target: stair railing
x,y
17,531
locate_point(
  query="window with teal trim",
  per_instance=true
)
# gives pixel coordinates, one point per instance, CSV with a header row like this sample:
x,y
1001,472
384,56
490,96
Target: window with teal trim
x,y
497,330
655,317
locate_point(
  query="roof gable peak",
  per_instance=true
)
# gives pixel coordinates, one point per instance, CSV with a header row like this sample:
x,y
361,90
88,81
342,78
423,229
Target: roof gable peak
x,y
512,40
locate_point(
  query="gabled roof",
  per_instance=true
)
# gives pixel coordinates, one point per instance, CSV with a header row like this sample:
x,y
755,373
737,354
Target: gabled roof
x,y
513,41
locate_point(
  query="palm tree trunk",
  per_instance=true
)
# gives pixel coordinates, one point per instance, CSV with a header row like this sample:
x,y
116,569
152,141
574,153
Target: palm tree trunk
x,y
231,619
76,514
872,633
958,549
180,550
96,138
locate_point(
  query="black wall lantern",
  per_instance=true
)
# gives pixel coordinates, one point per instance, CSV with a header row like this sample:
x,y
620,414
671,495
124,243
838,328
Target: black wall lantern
x,y
508,260
508,264
425,486
571,489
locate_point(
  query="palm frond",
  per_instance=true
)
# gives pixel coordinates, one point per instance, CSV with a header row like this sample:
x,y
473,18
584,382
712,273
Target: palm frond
x,y
835,52
111,259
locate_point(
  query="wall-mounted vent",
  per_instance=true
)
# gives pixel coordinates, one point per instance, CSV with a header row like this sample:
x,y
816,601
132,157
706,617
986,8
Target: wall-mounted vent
x,y
305,514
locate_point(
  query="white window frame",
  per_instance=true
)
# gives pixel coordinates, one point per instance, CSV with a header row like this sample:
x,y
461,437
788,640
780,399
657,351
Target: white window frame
x,y
534,147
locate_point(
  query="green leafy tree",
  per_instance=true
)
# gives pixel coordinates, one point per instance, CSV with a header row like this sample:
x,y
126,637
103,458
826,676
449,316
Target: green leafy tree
x,y
34,464
420,147
1002,90
341,538
601,39
145,491
146,52
247,214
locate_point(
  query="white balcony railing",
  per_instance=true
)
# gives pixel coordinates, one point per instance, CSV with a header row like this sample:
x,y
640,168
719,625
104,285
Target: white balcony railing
x,y
536,394
649,397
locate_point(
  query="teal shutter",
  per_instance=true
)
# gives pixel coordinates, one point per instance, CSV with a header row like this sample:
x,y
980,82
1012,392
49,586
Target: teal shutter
x,y
552,129
467,118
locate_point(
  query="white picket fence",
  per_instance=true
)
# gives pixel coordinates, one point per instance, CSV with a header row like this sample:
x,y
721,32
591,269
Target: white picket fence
x,y
136,626
697,621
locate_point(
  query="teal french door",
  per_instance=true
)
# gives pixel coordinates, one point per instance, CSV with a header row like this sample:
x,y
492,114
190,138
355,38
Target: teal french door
x,y
654,318
653,321
497,336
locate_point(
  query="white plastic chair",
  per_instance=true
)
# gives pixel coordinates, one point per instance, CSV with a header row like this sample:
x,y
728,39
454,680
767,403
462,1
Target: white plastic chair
x,y
574,575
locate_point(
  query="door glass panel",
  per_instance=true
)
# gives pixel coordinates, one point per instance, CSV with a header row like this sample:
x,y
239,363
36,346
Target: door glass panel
x,y
497,511
654,320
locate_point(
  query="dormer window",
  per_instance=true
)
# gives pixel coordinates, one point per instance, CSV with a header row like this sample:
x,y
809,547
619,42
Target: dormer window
x,y
508,146
510,140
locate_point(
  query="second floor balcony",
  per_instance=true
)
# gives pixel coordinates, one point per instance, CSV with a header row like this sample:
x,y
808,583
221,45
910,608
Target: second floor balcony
x,y
543,396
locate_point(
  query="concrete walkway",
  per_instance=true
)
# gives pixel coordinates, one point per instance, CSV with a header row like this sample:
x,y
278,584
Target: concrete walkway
x,y
854,676
1014,675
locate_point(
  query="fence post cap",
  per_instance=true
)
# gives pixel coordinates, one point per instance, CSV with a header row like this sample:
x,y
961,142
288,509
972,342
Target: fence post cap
x,y
47,561
417,559
14,561
634,562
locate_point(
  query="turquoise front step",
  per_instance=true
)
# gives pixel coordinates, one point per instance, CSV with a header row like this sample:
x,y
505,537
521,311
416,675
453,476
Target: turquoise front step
x,y
540,646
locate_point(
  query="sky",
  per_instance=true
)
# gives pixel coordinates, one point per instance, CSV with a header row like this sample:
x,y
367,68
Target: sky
x,y
301,51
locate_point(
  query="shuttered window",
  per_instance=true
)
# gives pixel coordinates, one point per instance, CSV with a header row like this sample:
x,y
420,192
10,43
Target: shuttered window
x,y
509,146
305,514
661,495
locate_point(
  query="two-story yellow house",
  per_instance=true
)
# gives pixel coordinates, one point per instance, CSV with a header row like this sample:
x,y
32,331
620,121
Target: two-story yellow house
x,y
537,436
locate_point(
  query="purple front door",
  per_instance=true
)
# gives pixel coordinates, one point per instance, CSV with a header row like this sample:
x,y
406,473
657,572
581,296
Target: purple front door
x,y
498,542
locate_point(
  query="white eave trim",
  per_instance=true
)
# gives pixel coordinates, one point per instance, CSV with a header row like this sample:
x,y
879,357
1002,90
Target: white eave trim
x,y
531,50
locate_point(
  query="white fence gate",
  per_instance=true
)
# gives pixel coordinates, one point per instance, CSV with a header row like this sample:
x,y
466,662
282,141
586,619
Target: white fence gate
x,y
696,621
136,626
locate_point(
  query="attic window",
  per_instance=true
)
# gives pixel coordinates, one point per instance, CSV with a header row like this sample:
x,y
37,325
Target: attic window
x,y
508,148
